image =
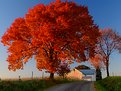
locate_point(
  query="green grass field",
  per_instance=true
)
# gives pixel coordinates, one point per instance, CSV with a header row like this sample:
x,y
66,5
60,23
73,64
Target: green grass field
x,y
99,87
30,85
109,84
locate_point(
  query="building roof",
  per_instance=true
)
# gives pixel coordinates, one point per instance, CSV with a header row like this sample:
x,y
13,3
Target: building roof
x,y
81,67
88,71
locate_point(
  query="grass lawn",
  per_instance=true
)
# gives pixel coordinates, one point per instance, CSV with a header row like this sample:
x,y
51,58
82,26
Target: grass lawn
x,y
30,85
99,87
109,83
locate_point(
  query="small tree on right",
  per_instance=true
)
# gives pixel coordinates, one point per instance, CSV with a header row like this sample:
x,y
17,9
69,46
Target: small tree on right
x,y
63,69
108,42
97,62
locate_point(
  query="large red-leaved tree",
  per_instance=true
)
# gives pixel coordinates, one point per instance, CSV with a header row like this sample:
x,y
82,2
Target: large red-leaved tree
x,y
51,33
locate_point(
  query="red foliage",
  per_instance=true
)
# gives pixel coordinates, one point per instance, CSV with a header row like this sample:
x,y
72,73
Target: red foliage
x,y
97,61
50,33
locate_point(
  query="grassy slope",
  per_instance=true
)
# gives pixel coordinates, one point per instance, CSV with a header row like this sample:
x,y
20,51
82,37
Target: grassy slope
x,y
110,83
99,87
30,85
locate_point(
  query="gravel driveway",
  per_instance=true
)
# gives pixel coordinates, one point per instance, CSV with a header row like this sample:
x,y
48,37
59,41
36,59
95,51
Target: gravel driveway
x,y
75,86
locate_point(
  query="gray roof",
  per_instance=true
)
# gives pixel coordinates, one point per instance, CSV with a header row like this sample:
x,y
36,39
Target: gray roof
x,y
88,71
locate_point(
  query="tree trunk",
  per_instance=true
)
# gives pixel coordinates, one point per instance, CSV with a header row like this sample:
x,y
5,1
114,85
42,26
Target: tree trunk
x,y
63,76
98,74
51,59
51,76
107,67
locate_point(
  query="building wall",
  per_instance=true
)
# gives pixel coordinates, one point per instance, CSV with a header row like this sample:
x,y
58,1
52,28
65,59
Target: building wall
x,y
75,74
89,78
94,77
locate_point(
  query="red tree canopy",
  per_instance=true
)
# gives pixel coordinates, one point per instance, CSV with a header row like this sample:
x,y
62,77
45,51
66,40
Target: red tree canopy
x,y
97,61
51,33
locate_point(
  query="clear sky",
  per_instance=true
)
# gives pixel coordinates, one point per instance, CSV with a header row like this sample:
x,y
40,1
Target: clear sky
x,y
106,13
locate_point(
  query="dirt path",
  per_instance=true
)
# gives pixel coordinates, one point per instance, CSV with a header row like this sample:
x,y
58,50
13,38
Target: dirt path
x,y
75,86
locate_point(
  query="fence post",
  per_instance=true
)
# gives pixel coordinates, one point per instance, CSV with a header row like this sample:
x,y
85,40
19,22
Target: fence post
x,y
43,75
32,75
19,78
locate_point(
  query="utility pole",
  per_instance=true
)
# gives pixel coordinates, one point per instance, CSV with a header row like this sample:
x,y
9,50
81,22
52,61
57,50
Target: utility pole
x,y
19,78
32,74
42,74
112,73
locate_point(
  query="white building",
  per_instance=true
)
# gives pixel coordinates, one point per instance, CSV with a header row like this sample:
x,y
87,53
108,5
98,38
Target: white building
x,y
84,74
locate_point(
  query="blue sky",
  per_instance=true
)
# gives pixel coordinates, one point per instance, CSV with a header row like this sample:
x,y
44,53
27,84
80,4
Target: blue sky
x,y
106,13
